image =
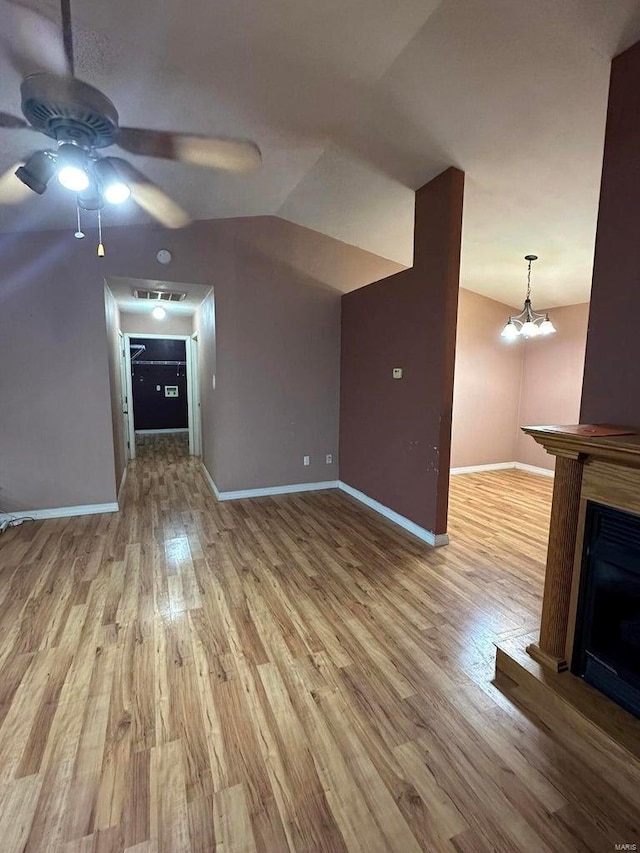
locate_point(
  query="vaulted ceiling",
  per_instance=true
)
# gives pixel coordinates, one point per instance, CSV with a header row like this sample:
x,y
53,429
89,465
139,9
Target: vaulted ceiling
x,y
355,104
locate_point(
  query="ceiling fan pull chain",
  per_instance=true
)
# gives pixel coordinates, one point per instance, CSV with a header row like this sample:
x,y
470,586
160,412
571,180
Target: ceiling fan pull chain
x,y
79,233
100,245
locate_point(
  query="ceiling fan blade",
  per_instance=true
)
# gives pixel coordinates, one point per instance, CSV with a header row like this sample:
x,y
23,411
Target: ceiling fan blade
x,y
150,197
12,190
232,155
32,42
13,122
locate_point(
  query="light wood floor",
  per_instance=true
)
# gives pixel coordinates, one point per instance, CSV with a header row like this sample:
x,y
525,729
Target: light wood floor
x,y
285,674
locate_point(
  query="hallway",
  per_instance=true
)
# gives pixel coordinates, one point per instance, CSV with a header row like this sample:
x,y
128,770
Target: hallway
x,y
289,673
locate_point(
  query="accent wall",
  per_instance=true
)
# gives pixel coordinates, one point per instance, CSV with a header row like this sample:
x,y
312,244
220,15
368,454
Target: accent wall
x,y
395,433
610,392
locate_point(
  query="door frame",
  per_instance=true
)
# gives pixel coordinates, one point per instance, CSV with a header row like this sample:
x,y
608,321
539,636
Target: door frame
x,y
193,414
124,396
194,346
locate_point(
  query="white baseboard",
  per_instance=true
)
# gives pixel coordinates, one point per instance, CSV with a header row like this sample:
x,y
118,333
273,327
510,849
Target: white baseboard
x,y
209,480
434,539
122,482
159,431
534,469
268,491
475,469
62,511
501,466
423,534
277,490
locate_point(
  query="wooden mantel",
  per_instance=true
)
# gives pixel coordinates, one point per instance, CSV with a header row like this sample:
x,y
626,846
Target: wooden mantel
x,y
593,462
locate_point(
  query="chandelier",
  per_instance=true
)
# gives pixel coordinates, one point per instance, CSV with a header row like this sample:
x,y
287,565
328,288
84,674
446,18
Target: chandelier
x,y
528,323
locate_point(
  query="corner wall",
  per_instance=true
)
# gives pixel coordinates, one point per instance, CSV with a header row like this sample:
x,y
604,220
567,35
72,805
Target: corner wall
x,y
112,318
486,390
552,381
395,434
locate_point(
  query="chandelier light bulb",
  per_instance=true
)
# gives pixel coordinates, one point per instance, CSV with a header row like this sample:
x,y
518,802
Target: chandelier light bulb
x,y
530,330
158,313
510,333
547,327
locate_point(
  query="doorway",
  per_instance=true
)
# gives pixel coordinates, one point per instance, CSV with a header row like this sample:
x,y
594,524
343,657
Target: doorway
x,y
161,372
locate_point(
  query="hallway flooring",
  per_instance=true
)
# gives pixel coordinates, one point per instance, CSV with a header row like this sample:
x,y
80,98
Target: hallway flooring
x,y
284,674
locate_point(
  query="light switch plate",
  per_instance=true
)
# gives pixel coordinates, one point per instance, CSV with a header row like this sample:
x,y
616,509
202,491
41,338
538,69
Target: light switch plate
x,y
397,373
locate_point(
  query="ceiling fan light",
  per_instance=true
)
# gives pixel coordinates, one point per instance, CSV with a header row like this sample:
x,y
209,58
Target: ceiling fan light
x,y
116,193
37,171
73,178
158,313
72,168
114,189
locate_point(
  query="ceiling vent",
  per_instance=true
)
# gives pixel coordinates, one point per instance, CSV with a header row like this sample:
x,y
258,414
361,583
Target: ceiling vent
x,y
160,295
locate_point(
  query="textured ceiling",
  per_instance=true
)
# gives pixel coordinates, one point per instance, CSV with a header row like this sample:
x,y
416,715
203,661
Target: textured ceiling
x,y
355,104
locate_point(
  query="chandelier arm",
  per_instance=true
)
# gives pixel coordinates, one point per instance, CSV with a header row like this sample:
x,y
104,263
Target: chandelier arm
x,y
535,316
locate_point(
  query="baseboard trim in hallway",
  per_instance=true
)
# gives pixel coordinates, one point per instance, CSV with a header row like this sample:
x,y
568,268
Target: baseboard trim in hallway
x,y
62,511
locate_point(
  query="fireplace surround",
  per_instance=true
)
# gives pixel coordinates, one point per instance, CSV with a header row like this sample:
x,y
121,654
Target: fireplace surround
x,y
596,493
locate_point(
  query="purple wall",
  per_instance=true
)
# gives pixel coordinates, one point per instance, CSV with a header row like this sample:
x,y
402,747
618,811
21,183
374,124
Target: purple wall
x,y
395,435
610,388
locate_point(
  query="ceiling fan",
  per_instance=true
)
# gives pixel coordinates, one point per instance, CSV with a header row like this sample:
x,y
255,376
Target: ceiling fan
x,y
82,122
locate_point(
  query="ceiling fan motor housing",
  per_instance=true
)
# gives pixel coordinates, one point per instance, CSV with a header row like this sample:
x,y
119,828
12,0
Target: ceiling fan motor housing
x,y
68,110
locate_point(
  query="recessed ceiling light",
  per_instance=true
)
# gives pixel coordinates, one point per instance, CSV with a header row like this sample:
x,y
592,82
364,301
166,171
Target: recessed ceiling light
x,y
159,313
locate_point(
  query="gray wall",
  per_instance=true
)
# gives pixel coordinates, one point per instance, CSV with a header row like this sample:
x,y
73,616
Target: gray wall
x,y
277,373
277,343
56,439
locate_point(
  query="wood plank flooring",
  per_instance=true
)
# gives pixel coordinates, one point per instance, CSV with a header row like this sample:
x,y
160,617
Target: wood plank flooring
x,y
284,674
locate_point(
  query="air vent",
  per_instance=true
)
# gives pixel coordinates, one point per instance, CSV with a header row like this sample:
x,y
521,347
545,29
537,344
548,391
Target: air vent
x,y
160,295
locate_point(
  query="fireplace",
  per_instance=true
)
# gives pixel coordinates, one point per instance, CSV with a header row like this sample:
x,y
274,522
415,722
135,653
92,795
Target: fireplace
x,y
607,639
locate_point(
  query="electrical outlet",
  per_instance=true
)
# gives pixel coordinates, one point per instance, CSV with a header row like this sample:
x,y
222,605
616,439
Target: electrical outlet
x,y
397,373
328,458
306,460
